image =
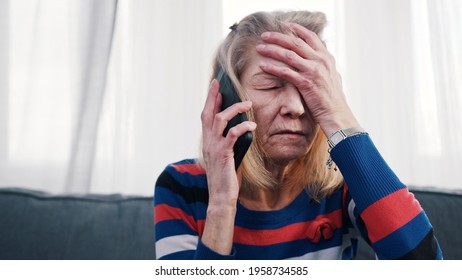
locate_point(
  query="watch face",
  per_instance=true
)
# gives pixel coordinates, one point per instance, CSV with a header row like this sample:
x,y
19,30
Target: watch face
x,y
337,137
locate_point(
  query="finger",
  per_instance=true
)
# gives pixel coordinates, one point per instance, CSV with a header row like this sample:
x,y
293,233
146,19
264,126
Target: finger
x,y
287,56
295,44
308,36
218,101
208,130
236,131
291,75
210,106
221,119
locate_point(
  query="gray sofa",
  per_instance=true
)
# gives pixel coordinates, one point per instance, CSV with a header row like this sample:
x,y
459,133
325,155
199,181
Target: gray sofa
x,y
37,225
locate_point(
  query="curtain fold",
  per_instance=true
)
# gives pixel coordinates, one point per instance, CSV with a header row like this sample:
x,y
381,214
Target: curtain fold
x,y
94,29
4,79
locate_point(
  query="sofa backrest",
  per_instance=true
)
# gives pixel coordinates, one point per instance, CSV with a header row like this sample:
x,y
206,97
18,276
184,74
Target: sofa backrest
x,y
36,225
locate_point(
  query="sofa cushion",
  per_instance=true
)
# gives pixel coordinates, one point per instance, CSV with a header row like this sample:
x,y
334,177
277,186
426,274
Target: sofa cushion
x,y
444,210
37,225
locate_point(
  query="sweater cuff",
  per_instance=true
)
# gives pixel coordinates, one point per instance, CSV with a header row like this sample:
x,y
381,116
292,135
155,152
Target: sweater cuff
x,y
368,176
205,253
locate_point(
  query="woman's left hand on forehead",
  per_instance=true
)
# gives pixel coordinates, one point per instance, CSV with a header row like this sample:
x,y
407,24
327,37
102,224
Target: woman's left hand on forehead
x,y
309,66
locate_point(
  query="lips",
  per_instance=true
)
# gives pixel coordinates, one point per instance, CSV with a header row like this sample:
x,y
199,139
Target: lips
x,y
291,132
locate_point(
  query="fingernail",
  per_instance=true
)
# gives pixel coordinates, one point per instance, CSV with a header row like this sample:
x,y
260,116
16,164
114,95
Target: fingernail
x,y
260,47
212,84
265,35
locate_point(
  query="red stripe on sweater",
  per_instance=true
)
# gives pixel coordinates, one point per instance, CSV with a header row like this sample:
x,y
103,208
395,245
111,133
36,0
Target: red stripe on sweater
x,y
344,198
165,212
390,213
323,225
193,169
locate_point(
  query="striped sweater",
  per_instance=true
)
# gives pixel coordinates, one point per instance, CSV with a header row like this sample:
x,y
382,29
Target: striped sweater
x,y
372,203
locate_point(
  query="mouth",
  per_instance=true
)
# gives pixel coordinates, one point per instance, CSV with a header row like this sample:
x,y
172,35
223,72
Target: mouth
x,y
290,132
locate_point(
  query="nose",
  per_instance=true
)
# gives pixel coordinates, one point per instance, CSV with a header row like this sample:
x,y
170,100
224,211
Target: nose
x,y
292,104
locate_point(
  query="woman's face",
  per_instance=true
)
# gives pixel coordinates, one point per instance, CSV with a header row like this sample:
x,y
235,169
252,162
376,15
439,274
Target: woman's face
x,y
284,125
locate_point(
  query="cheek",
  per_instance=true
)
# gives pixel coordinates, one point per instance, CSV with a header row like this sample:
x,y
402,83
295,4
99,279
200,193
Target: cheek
x,y
262,127
264,119
264,104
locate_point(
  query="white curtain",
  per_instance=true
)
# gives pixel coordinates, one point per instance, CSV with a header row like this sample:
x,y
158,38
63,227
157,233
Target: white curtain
x,y
98,96
93,93
402,67
56,71
158,80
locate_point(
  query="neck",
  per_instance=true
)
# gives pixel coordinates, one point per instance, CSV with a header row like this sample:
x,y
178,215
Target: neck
x,y
275,199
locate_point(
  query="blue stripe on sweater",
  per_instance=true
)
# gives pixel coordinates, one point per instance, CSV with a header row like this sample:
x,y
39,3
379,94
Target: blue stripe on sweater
x,y
196,209
404,239
302,209
186,179
172,227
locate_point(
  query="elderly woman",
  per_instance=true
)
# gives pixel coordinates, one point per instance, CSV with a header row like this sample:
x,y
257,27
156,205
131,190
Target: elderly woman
x,y
312,182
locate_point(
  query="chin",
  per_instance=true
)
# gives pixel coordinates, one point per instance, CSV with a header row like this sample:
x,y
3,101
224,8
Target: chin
x,y
284,156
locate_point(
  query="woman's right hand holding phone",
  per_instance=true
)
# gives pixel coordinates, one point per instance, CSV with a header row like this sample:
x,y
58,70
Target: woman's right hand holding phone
x,y
218,154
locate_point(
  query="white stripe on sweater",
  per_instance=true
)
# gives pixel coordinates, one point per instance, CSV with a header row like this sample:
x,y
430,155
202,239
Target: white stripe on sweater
x,y
351,208
176,243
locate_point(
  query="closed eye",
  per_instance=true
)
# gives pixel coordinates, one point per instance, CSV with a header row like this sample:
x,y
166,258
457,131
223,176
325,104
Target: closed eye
x,y
266,82
270,87
273,88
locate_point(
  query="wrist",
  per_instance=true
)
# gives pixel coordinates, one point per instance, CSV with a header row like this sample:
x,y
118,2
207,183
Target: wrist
x,y
338,122
219,211
223,200
339,136
219,228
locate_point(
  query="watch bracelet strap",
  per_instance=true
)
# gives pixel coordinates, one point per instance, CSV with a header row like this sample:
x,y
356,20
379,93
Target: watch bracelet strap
x,y
345,133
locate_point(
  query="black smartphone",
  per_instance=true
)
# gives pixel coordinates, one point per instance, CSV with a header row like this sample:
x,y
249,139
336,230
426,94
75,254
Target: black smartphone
x,y
231,97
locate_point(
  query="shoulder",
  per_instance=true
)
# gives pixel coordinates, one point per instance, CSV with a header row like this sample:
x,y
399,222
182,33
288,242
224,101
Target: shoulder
x,y
185,172
189,166
185,178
